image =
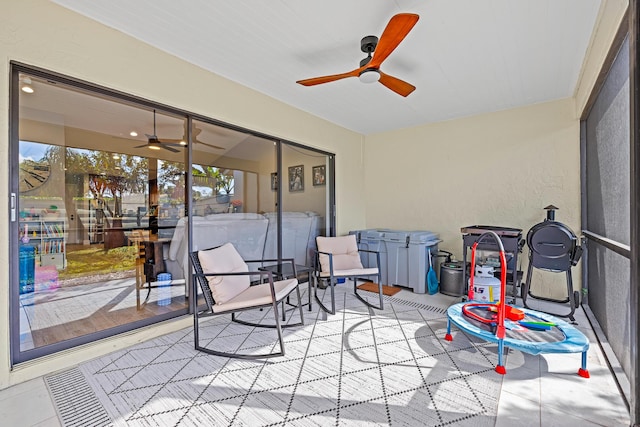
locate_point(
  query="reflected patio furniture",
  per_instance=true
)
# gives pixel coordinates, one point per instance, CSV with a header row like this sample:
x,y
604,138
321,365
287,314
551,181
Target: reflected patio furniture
x,y
339,258
149,263
136,238
225,280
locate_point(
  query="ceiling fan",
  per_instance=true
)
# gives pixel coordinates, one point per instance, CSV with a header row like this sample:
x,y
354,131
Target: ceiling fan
x,y
194,135
369,71
155,144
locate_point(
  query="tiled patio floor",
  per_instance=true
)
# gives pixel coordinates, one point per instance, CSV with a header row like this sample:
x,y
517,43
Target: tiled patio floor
x,y
536,391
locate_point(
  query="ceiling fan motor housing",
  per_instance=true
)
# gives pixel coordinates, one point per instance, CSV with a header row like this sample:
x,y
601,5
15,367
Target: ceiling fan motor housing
x,y
368,44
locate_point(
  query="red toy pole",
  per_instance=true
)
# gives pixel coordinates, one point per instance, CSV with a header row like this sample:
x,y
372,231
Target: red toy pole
x,y
473,265
502,307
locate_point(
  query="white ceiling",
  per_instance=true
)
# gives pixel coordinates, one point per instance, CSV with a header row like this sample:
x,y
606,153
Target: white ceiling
x,y
465,57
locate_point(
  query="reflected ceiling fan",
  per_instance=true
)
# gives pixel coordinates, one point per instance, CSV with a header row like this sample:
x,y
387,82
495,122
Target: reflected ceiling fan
x,y
194,135
155,144
369,71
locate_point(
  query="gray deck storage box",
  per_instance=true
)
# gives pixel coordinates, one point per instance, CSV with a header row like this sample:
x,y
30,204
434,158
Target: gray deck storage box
x,y
407,257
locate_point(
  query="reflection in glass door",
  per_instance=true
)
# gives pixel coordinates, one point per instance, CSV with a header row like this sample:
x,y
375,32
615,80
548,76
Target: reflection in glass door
x,y
101,232
305,201
231,189
100,189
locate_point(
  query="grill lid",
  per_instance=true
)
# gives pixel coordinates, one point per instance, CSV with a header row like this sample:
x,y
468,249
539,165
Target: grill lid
x,y
552,246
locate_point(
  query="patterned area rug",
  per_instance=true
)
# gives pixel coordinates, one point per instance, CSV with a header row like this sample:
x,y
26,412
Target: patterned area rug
x,y
359,367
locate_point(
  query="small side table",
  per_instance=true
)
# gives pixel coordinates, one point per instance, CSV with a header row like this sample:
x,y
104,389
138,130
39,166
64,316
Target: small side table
x,y
285,271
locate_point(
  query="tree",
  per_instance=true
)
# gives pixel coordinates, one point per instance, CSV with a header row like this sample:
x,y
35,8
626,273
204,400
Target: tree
x,y
172,181
109,175
222,179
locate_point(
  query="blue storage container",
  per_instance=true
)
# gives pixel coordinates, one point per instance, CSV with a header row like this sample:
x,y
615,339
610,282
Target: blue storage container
x,y
27,267
164,289
407,257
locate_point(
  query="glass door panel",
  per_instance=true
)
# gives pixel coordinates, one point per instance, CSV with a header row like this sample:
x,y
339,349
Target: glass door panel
x,y
231,189
100,192
305,201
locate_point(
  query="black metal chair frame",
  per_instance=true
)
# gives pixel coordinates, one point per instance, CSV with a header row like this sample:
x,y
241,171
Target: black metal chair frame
x,y
333,280
201,277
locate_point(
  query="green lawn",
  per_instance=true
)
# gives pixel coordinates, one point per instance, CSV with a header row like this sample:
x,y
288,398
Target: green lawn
x,y
96,260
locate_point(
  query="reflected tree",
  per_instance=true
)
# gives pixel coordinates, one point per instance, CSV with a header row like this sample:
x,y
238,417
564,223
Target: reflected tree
x,y
108,176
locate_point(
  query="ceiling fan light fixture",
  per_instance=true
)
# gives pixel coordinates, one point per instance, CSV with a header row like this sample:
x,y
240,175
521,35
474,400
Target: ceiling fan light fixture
x,y
153,146
370,75
25,85
182,142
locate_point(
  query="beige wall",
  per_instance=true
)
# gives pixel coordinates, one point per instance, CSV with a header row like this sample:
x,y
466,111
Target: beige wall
x,y
40,33
494,169
499,168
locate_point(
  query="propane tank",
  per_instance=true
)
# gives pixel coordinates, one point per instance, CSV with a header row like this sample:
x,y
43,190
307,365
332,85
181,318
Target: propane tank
x,y
486,287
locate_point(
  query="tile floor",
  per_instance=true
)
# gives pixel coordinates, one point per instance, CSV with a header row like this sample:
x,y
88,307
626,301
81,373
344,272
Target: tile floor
x,y
536,391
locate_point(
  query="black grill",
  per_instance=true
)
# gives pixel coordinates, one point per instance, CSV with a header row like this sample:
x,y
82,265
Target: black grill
x,y
553,247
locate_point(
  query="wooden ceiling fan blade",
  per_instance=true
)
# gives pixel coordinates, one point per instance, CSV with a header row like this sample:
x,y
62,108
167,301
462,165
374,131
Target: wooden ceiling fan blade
x,y
326,79
395,84
194,132
166,147
396,30
173,142
168,142
209,145
176,143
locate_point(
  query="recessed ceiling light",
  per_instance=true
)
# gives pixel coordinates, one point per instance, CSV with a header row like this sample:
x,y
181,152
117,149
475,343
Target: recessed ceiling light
x,y
116,157
25,85
133,133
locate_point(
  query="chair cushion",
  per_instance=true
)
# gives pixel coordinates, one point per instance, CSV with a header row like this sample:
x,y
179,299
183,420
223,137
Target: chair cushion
x,y
344,250
257,295
224,259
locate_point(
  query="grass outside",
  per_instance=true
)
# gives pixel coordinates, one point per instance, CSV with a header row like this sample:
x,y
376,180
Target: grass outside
x,y
95,260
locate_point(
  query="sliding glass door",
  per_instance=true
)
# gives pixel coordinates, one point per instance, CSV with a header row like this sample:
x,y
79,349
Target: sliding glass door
x,y
99,189
110,193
